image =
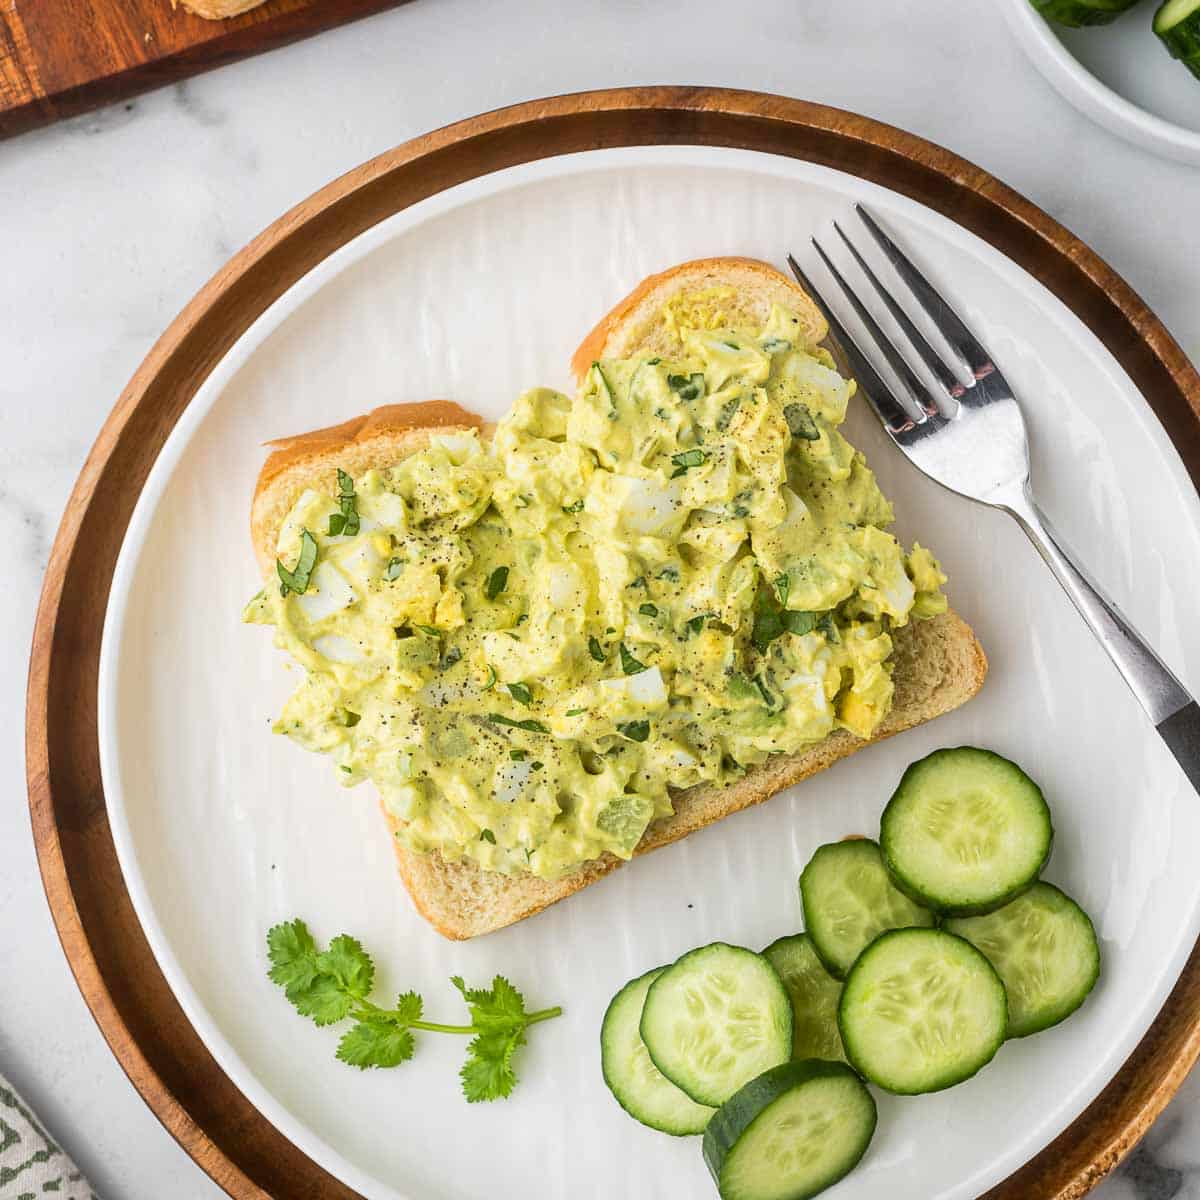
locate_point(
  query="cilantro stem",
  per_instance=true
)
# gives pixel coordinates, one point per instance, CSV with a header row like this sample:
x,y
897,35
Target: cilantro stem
x,y
544,1015
369,1011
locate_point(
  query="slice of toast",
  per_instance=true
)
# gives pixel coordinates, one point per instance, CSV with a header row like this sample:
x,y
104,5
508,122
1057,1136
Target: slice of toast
x,y
939,664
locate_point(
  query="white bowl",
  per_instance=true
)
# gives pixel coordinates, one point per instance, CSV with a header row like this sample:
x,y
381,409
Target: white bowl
x,y
1120,75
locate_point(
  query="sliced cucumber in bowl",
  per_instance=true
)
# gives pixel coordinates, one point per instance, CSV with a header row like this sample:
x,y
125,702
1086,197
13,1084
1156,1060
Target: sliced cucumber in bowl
x,y
1177,24
921,1010
1044,948
1081,13
715,1019
790,1133
643,1091
848,900
965,831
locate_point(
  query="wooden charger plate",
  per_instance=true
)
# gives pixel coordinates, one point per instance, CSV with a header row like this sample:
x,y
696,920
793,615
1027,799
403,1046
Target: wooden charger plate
x,y
108,953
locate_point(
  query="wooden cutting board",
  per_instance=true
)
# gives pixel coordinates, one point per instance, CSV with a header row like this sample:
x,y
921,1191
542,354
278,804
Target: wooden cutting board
x,y
62,57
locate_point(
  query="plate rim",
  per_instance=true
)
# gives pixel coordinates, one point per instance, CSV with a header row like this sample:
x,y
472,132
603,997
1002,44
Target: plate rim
x,y
1092,96
105,947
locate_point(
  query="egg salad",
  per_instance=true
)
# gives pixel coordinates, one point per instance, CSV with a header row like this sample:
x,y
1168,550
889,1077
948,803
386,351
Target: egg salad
x,y
528,644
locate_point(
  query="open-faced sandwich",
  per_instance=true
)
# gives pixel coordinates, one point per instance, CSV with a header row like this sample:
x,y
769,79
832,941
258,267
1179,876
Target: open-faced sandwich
x,y
609,620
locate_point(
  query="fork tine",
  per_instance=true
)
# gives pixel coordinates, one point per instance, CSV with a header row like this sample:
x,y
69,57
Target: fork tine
x,y
929,356
890,411
947,321
916,389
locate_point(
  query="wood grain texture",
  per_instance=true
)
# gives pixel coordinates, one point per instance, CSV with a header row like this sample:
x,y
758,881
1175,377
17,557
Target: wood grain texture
x,y
110,958
63,57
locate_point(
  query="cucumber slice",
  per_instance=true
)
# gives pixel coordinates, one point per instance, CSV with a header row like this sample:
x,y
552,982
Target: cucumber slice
x,y
791,1133
814,994
1078,13
1044,948
921,1010
1177,24
640,1088
715,1019
849,900
965,831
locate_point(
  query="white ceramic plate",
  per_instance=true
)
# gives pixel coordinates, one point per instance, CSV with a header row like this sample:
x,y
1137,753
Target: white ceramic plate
x,y
1120,75
223,830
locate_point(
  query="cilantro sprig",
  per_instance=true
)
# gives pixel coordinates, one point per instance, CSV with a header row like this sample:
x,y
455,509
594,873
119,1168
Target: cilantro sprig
x,y
332,985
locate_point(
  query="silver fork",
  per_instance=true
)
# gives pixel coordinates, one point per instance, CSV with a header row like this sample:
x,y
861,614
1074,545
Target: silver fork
x,y
971,439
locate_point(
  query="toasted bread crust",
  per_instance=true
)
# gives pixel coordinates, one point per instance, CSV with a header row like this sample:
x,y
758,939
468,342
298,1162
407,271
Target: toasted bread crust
x,y
385,435
644,302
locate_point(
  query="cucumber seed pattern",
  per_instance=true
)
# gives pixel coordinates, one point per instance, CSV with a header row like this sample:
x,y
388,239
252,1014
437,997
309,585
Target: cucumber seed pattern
x,y
1044,948
715,1019
921,1010
970,826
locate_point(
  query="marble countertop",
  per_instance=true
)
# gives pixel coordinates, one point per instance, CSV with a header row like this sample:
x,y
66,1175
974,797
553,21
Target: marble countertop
x,y
112,221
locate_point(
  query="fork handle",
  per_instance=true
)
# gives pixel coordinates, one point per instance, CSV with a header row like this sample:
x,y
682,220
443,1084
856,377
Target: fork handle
x,y
1167,702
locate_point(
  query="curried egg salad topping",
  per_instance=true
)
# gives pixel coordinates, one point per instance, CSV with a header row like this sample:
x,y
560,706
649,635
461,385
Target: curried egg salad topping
x,y
528,644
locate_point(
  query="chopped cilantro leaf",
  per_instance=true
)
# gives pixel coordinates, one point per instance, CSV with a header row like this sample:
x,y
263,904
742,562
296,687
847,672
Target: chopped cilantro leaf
x,y
635,731
728,409
349,524
529,725
648,610
687,387
629,664
486,835
497,581
801,423
797,622
520,692
688,459
596,650
771,621
298,579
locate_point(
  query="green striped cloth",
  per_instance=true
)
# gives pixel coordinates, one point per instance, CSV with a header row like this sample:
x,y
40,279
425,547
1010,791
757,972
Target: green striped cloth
x,y
32,1166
